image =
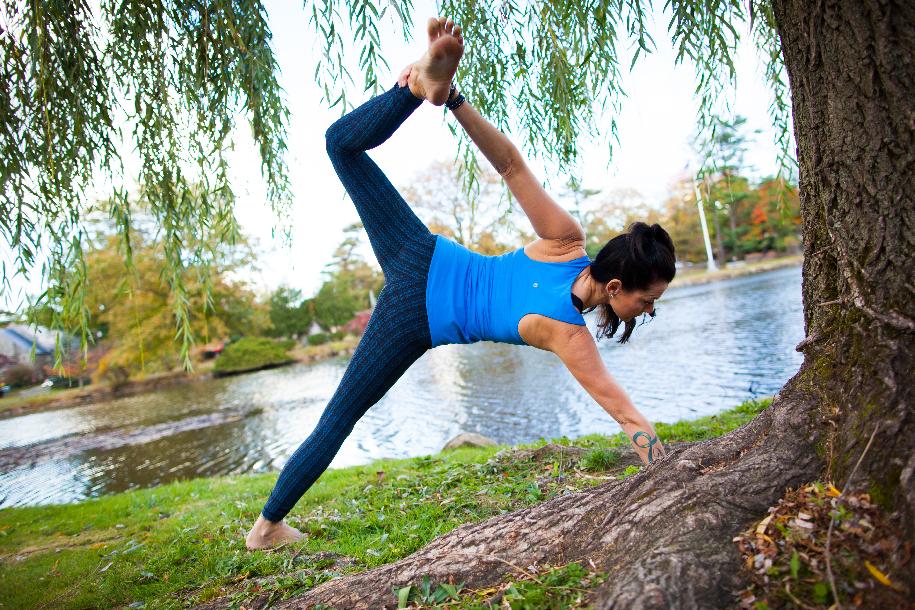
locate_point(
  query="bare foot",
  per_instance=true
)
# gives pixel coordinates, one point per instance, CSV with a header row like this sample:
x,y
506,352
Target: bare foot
x,y
430,77
267,534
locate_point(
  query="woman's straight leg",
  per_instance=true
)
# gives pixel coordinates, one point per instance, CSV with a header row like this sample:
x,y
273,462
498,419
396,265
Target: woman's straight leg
x,y
396,336
391,225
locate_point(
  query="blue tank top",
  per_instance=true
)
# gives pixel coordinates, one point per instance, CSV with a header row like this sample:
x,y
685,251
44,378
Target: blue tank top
x,y
471,297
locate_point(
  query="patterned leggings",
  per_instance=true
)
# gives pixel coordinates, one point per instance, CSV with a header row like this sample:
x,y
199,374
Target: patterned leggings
x,y
398,332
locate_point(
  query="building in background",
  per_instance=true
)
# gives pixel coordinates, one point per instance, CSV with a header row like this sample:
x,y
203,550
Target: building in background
x,y
17,341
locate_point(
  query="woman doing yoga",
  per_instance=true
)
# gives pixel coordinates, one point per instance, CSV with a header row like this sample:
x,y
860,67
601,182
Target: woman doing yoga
x,y
438,292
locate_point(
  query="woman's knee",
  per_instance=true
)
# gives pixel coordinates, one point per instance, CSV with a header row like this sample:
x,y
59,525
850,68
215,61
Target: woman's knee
x,y
335,138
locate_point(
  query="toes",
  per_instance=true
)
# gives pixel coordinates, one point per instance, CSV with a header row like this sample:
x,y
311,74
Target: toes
x,y
434,28
449,26
457,33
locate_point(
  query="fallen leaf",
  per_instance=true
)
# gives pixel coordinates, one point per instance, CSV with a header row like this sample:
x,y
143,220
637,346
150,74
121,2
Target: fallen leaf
x,y
106,567
832,491
761,528
877,574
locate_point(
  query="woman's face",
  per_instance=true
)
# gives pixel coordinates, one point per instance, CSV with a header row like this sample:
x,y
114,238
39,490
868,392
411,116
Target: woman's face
x,y
628,304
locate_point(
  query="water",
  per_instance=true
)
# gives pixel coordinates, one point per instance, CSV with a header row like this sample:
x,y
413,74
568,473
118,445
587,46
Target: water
x,y
710,348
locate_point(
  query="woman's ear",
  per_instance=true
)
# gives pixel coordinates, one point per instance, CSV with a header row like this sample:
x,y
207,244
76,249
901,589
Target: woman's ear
x,y
613,287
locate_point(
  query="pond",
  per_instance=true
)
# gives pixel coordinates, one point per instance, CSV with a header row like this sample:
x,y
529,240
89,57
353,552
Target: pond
x,y
709,348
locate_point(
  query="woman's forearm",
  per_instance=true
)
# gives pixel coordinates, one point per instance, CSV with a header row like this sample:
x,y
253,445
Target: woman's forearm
x,y
638,430
494,144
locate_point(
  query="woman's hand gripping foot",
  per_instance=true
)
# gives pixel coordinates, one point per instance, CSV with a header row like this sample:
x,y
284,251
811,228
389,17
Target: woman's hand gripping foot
x,y
430,77
267,534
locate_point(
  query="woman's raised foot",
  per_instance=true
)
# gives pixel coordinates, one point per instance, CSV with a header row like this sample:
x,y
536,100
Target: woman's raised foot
x,y
430,77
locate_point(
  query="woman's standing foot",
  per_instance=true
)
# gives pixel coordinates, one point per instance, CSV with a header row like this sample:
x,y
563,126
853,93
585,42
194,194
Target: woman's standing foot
x,y
267,534
430,77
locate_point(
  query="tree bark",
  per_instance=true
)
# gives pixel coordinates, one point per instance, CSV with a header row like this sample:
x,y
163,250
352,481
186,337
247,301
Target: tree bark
x,y
665,534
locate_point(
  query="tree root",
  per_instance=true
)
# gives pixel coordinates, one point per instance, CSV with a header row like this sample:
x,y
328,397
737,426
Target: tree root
x,y
664,535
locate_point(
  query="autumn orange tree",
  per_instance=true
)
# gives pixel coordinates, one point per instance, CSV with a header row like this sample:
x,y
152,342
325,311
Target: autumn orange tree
x,y
132,314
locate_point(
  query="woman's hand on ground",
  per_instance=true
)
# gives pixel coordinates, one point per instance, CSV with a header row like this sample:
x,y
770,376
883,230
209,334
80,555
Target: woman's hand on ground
x,y
645,442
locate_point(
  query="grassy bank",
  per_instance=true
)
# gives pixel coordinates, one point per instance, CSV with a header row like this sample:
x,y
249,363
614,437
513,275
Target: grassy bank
x,y
63,398
182,543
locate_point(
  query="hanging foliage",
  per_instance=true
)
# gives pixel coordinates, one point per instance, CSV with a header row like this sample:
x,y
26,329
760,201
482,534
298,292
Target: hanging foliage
x,y
81,83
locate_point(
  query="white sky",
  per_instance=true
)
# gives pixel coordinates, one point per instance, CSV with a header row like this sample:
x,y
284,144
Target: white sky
x,y
655,127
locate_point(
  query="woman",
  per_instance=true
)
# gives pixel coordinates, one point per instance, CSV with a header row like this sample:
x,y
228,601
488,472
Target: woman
x,y
438,292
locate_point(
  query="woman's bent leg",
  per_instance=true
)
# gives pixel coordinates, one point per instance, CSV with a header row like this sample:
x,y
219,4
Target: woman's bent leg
x,y
395,337
390,223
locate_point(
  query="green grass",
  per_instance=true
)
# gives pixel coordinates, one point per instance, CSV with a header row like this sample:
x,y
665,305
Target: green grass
x,y
250,353
183,543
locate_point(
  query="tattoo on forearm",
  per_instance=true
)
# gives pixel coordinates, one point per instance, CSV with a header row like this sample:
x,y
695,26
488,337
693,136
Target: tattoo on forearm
x,y
649,441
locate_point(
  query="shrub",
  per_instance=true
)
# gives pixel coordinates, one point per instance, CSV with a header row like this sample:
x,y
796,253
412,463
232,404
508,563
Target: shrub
x,y
318,338
115,376
251,353
600,459
21,375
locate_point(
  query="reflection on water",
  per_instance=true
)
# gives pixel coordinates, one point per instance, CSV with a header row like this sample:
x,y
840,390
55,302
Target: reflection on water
x,y
709,348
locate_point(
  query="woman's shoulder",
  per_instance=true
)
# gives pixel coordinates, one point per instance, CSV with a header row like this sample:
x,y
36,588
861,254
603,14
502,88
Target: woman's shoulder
x,y
555,250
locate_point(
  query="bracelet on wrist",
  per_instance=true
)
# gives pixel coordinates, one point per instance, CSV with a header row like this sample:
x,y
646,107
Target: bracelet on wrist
x,y
455,103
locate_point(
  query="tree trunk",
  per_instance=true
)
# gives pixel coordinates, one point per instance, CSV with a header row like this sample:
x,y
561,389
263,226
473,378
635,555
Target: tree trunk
x,y
665,534
719,245
716,223
852,71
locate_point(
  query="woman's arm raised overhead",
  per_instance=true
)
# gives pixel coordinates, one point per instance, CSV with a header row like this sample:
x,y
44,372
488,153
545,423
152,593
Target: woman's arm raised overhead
x,y
549,219
577,350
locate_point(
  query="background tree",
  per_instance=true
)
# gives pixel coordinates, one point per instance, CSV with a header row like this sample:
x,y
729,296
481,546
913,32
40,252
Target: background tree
x,y
350,281
722,148
132,315
175,75
578,194
776,216
478,219
290,314
680,217
609,214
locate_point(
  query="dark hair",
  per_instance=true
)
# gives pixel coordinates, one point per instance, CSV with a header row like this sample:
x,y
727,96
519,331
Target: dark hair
x,y
638,258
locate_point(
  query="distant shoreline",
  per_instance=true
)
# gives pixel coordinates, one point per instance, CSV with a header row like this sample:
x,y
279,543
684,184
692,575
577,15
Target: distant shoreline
x,y
74,397
728,273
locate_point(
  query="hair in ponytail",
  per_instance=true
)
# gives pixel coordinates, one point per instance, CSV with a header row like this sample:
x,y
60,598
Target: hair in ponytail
x,y
638,258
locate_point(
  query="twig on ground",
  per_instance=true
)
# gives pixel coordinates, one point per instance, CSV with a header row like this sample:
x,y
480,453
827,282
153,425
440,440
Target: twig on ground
x,y
832,520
